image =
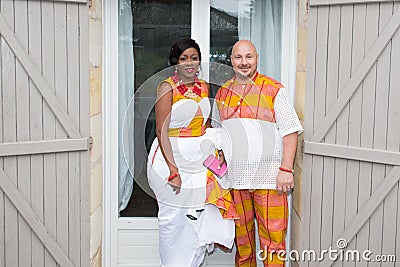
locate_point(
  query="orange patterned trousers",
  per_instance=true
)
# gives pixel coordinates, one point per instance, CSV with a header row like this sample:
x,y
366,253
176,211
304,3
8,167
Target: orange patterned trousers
x,y
270,209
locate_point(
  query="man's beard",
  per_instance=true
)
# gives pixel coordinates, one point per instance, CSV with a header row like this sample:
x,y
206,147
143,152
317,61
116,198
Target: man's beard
x,y
242,76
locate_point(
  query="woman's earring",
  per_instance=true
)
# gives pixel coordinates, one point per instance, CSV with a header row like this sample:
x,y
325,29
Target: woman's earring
x,y
176,71
198,71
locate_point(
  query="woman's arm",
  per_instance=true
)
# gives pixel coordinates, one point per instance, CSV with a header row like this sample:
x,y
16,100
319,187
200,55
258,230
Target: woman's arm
x,y
208,121
163,117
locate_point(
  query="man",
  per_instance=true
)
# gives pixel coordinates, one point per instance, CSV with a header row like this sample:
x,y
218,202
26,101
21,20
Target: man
x,y
259,144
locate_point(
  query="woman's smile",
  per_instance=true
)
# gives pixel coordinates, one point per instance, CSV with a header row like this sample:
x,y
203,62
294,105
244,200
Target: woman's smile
x,y
189,70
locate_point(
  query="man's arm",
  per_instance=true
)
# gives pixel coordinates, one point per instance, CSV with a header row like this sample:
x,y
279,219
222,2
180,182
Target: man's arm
x,y
284,181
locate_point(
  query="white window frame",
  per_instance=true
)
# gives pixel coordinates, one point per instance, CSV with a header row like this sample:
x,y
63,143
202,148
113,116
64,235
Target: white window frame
x,y
110,134
289,46
111,222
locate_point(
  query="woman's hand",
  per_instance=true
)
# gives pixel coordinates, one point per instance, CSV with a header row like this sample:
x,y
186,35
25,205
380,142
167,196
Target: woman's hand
x,y
221,158
174,180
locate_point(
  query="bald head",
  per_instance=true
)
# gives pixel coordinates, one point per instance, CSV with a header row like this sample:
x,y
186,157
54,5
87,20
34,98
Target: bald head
x,y
244,58
244,44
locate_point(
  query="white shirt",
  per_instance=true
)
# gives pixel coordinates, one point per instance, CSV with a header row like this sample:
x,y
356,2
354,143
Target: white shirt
x,y
253,148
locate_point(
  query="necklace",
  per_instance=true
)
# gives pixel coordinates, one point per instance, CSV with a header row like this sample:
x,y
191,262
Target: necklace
x,y
184,90
243,95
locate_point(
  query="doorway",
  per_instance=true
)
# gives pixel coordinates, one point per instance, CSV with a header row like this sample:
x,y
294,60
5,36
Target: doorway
x,y
137,46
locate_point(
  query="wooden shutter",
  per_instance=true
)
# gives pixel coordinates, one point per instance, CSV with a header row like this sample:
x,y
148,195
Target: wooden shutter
x,y
44,120
351,172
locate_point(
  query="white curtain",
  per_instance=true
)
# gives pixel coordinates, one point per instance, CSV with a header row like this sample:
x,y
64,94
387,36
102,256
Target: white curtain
x,y
261,22
125,94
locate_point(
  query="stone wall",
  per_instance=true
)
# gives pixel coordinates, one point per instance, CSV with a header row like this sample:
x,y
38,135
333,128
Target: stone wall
x,y
299,105
96,172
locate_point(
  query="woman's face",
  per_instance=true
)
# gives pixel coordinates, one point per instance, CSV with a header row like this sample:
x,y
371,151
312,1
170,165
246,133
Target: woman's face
x,y
188,64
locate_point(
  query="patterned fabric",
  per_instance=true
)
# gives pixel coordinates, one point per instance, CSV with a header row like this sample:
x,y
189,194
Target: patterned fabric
x,y
261,113
177,233
255,117
254,100
270,208
220,197
195,127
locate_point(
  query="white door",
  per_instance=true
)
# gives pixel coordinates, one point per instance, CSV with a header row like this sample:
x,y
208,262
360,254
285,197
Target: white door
x,y
138,35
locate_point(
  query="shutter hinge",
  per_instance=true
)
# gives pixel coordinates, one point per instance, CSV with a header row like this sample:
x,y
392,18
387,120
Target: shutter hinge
x,y
90,141
307,6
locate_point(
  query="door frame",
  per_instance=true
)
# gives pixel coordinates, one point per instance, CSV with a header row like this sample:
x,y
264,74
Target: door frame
x,y
110,133
111,222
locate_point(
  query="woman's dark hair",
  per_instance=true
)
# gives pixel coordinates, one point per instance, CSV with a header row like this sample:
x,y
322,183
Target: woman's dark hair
x,y
180,46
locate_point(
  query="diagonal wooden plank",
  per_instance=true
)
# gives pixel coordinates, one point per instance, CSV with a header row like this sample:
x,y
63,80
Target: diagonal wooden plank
x,y
359,75
366,211
45,90
33,220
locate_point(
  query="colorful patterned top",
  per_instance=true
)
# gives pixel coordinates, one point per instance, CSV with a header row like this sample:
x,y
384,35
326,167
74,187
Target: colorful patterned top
x,y
196,125
254,117
182,114
254,100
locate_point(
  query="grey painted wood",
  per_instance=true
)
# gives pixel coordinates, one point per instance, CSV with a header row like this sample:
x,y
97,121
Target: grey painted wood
x,y
366,212
44,147
36,128
360,174
2,196
395,82
319,113
22,112
61,76
351,86
331,96
339,189
355,104
308,131
344,2
73,111
49,123
380,128
71,1
43,83
25,210
36,77
367,124
393,143
9,131
2,225
354,153
84,129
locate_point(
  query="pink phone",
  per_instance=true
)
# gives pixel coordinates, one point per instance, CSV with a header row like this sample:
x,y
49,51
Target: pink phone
x,y
212,163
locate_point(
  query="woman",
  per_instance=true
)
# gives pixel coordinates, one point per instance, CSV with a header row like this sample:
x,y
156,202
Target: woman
x,y
181,183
